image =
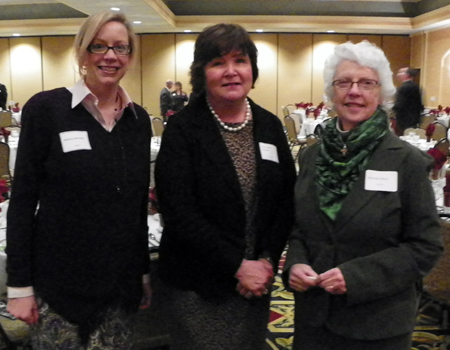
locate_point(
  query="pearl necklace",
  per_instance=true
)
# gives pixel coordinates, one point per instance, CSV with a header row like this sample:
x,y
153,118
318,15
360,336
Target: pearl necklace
x,y
230,128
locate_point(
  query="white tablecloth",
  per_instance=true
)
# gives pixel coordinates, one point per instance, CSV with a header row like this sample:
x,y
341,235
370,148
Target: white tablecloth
x,y
443,119
301,113
421,144
308,127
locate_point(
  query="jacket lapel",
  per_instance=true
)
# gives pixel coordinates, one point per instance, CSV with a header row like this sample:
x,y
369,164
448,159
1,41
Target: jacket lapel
x,y
387,157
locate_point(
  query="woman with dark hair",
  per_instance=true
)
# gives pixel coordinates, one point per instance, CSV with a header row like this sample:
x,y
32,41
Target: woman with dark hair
x,y
77,231
224,177
179,97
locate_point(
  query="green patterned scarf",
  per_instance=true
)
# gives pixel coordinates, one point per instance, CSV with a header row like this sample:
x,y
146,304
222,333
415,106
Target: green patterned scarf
x,y
338,170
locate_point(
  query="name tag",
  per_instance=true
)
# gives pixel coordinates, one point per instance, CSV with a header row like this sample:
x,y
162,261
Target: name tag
x,y
386,181
268,152
74,141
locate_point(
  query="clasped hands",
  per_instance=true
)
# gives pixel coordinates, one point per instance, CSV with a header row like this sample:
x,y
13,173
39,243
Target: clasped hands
x,y
302,277
255,278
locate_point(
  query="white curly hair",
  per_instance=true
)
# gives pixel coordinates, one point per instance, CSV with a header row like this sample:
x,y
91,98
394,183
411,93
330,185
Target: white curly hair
x,y
366,54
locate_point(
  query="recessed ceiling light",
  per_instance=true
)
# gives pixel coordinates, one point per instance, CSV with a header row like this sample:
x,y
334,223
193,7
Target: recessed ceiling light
x,y
259,30
115,9
187,30
330,31
16,34
137,22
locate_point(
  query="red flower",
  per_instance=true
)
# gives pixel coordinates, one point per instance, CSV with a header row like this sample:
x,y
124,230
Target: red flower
x,y
430,130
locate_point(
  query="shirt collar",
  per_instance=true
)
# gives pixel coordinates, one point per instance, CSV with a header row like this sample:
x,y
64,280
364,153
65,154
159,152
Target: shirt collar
x,y
80,92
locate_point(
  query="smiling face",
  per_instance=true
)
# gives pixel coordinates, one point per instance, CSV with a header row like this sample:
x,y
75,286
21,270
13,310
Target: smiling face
x,y
355,105
103,70
229,78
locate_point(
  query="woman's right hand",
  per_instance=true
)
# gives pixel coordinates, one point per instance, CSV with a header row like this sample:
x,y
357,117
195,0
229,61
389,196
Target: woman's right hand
x,y
24,309
302,277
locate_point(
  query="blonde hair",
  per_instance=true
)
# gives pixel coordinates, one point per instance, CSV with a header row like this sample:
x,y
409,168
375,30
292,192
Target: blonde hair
x,y
89,29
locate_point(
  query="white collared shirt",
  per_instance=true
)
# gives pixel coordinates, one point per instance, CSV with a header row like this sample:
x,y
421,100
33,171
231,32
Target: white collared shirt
x,y
82,94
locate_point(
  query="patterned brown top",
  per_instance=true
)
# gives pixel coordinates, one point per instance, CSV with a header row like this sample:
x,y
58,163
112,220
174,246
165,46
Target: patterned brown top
x,y
242,151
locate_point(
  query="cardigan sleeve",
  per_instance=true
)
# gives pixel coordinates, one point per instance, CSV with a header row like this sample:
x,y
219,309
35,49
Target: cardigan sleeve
x,y
32,151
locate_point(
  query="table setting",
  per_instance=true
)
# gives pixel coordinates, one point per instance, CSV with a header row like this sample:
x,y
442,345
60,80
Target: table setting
x,y
415,140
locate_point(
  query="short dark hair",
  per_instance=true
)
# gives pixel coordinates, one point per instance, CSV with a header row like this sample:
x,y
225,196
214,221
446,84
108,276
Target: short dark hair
x,y
217,41
412,72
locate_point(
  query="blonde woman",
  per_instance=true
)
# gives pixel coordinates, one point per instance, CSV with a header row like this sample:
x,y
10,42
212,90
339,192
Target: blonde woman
x,y
77,222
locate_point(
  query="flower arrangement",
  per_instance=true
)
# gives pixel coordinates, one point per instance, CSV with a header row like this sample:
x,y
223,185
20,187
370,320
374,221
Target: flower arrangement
x,y
4,190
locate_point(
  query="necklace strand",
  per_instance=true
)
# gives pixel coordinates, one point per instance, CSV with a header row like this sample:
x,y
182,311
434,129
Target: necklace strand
x,y
230,128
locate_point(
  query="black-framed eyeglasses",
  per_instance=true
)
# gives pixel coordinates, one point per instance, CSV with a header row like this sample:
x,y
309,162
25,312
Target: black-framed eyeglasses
x,y
121,50
363,84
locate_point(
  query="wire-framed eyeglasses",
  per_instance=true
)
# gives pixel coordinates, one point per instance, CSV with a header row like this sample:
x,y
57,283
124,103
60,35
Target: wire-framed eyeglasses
x,y
121,50
363,84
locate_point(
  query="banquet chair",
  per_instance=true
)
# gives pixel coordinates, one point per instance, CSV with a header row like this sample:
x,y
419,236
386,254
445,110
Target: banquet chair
x,y
443,145
427,120
440,131
158,127
292,135
417,131
5,172
5,119
297,122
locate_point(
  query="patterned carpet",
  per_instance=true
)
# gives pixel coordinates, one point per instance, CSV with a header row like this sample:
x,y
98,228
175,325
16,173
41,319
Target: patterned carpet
x,y
431,333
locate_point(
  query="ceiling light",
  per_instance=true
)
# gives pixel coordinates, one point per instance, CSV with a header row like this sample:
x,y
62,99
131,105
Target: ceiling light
x,y
137,22
16,34
187,30
115,9
330,31
259,30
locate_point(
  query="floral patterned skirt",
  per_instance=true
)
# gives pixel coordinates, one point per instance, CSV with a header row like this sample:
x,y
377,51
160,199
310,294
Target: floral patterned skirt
x,y
53,332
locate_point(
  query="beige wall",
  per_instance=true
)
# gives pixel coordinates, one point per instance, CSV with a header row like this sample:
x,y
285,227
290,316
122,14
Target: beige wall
x,y
290,65
434,46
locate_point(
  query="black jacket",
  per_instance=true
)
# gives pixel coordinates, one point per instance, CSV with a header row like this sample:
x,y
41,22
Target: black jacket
x,y
203,242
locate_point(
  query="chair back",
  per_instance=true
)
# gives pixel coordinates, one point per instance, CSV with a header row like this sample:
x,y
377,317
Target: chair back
x,y
4,161
158,127
297,122
421,132
285,111
290,128
5,118
442,145
440,131
427,120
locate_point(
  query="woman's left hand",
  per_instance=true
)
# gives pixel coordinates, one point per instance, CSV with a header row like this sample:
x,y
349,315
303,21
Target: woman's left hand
x,y
333,281
146,295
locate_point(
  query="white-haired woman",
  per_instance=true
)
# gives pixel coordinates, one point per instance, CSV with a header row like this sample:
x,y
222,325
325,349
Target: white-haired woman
x,y
367,229
77,221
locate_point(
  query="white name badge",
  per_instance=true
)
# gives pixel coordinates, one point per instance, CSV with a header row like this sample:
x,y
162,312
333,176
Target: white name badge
x,y
268,152
74,141
386,181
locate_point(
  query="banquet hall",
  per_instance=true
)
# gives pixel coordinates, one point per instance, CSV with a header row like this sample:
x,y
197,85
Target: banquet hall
x,y
293,38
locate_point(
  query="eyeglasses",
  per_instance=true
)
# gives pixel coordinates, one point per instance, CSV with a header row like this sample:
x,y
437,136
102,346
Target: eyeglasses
x,y
363,84
121,50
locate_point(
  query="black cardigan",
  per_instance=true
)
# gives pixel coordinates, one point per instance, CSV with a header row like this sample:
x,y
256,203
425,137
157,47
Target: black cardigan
x,y
86,247
203,241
